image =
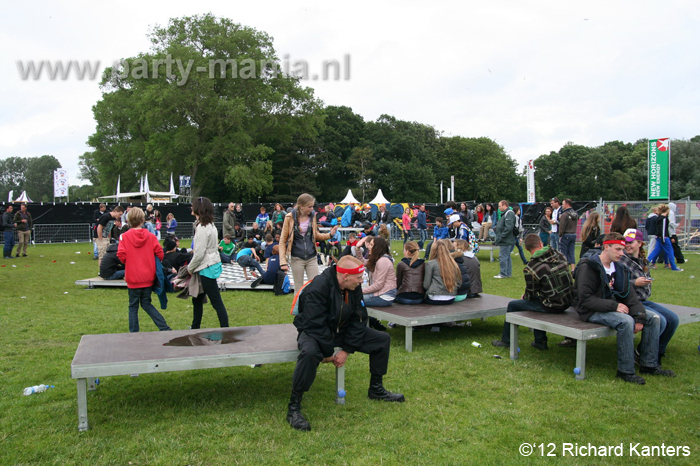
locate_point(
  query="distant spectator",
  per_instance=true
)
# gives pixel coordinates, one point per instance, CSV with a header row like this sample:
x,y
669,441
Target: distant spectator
x,y
623,221
546,225
111,268
505,239
262,218
554,221
277,215
8,228
171,224
568,222
104,229
422,225
589,232
23,220
158,224
96,218
240,216
229,220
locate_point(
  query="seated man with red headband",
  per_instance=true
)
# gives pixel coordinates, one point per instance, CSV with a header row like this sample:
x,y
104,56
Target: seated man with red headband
x,y
605,297
332,314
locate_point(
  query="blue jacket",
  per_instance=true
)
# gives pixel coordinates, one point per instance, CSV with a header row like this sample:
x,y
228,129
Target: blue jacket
x,y
346,220
159,286
440,233
422,222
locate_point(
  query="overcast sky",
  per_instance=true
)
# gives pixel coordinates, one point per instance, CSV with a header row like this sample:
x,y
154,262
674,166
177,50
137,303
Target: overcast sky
x,y
530,75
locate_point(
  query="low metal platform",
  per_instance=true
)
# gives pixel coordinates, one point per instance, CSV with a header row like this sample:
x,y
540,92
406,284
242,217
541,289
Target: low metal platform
x,y
151,352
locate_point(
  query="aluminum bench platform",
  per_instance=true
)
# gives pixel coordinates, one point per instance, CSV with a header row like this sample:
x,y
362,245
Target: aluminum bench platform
x,y
568,324
413,315
182,350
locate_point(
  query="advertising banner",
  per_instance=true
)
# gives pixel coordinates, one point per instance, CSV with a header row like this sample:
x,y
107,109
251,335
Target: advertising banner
x,y
531,181
60,183
659,170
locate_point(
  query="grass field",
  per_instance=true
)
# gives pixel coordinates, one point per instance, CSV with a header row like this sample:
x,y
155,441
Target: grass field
x,y
463,405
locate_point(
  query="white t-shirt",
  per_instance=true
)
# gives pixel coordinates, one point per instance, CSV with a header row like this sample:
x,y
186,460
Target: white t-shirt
x,y
555,216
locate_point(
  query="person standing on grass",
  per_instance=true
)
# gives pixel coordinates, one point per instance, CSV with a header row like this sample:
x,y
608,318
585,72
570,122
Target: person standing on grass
x,y
663,240
137,250
568,221
96,217
8,228
604,296
206,263
23,220
505,239
229,220
549,288
332,314
298,240
422,225
104,229
554,222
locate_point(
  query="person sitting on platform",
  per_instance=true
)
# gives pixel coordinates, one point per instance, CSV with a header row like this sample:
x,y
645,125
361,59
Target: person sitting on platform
x,y
381,290
549,288
226,248
332,314
409,275
604,297
442,275
111,268
471,262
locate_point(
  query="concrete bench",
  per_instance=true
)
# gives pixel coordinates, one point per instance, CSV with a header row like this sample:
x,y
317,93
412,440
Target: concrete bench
x,y
568,324
182,350
413,315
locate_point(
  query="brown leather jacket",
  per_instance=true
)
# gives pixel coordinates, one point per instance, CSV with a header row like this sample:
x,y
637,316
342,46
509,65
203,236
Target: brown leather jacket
x,y
287,236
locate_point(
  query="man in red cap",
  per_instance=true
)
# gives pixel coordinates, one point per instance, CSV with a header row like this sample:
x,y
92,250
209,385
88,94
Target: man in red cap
x,y
332,314
604,296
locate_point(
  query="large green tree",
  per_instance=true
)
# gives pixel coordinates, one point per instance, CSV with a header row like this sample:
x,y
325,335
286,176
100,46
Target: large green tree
x,y
207,100
31,174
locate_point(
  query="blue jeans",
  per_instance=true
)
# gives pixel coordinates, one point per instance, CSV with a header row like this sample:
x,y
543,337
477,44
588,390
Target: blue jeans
x,y
666,246
521,252
505,260
544,237
423,237
668,323
142,296
567,246
554,240
376,301
401,300
9,243
118,275
519,305
249,261
225,258
624,325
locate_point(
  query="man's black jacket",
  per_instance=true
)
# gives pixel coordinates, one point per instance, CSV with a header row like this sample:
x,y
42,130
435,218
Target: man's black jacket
x,y
324,318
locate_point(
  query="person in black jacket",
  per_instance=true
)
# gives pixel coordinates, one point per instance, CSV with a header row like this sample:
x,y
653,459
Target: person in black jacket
x,y
111,268
605,296
332,314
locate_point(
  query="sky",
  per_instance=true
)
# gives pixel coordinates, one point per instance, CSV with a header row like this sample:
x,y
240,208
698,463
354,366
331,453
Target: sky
x,y
530,75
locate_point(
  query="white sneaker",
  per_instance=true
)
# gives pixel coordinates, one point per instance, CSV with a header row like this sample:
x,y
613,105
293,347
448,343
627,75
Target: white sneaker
x,y
499,276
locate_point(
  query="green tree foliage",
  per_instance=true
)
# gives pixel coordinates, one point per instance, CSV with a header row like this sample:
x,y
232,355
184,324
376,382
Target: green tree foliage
x,y
218,125
31,174
360,168
685,168
482,169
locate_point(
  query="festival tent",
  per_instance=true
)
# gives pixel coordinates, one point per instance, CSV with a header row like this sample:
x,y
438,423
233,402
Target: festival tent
x,y
349,198
23,197
379,199
143,191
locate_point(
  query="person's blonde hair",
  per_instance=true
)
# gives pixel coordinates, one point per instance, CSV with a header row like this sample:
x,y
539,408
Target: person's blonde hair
x,y
589,224
136,217
663,209
305,200
412,248
447,265
462,245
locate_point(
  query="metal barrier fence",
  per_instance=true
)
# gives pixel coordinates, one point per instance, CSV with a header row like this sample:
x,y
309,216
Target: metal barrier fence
x,y
62,233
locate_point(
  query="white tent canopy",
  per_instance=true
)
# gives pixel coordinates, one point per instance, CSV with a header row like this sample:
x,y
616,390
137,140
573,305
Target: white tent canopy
x,y
144,191
23,197
349,198
379,199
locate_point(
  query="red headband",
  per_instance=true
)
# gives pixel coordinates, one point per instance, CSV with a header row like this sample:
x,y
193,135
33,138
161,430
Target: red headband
x,y
359,269
621,242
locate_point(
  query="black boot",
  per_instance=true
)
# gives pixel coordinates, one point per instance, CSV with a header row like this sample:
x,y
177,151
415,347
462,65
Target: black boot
x,y
294,416
378,392
375,324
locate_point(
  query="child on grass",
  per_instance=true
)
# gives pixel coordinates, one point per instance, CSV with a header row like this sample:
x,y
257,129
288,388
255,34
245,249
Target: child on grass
x,y
137,251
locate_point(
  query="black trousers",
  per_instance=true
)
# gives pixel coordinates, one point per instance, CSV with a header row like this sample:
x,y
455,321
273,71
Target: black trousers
x,y
376,344
211,290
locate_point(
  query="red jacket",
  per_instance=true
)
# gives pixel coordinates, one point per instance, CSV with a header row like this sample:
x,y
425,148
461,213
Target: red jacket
x,y
137,248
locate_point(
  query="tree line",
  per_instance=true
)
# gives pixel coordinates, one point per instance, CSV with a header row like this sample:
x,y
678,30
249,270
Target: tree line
x,y
266,137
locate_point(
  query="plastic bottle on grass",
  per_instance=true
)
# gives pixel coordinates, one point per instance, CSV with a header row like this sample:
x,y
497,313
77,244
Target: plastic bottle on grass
x,y
36,389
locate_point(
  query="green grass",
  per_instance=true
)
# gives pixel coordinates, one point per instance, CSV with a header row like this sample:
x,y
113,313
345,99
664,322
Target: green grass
x,y
463,405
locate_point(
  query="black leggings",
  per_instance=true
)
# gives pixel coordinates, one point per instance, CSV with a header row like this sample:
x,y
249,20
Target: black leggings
x,y
211,290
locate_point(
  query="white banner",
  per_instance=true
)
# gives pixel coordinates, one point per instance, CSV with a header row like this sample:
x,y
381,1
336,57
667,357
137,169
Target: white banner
x,y
530,181
60,183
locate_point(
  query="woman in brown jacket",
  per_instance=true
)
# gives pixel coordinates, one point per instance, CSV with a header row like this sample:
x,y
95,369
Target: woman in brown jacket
x,y
409,275
298,240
